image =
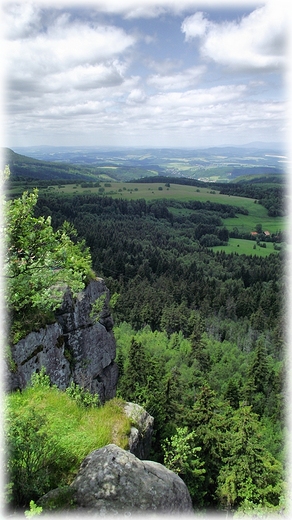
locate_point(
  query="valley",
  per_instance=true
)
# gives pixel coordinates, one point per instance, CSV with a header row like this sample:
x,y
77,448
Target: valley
x,y
196,274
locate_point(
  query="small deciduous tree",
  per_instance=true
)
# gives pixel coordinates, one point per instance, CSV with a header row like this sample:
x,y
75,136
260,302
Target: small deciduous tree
x,y
181,455
39,263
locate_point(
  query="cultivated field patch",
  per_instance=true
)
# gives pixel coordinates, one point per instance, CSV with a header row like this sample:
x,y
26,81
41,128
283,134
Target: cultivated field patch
x,y
246,247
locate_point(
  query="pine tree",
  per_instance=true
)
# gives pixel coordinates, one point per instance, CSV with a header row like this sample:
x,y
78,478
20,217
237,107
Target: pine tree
x,y
209,420
260,374
232,394
196,338
250,475
134,377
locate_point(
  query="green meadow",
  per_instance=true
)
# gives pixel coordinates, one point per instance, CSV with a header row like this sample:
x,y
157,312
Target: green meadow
x,y
246,247
257,214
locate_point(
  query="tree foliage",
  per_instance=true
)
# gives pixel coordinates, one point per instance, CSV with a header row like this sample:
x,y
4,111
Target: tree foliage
x,y
200,335
40,263
205,410
181,456
35,459
250,475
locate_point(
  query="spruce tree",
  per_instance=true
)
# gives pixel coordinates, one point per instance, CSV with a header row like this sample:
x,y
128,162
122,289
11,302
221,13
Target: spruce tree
x,y
249,476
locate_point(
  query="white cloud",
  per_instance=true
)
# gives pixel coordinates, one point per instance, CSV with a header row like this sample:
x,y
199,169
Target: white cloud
x,y
84,79
257,41
142,8
65,46
62,46
20,21
79,43
201,98
176,81
213,113
136,96
195,25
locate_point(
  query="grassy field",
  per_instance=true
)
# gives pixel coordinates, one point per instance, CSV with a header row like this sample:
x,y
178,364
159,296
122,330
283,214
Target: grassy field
x,y
76,429
246,247
150,191
245,223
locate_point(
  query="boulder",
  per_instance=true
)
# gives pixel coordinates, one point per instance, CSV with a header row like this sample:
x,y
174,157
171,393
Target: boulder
x,y
113,481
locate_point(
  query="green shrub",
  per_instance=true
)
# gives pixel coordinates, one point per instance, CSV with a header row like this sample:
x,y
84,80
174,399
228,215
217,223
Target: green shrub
x,y
81,396
33,510
35,459
40,379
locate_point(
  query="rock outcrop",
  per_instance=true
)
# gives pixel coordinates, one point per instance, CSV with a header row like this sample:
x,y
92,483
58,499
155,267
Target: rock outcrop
x,y
141,431
112,481
74,348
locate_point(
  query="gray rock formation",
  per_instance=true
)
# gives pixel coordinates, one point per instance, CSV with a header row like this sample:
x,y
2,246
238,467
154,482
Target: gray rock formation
x,y
74,348
113,481
141,431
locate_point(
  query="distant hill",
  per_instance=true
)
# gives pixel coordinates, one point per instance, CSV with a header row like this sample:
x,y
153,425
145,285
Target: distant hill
x,y
22,166
70,164
264,145
11,158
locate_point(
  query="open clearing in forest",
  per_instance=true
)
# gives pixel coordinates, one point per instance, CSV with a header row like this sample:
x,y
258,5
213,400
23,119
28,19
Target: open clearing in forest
x,y
246,247
257,214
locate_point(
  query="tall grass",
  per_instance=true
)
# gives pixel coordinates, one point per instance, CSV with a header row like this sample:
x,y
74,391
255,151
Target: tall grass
x,y
75,430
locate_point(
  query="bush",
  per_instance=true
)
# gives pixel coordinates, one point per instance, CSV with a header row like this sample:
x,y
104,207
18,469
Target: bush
x,y
81,396
36,461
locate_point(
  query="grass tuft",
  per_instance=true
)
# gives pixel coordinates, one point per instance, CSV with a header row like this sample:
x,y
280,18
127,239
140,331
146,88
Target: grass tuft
x,y
76,430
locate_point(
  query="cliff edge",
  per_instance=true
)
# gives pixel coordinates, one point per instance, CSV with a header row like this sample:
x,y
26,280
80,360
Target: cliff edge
x,y
77,347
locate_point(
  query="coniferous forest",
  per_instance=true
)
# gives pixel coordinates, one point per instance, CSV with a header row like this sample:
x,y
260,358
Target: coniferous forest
x,y
200,337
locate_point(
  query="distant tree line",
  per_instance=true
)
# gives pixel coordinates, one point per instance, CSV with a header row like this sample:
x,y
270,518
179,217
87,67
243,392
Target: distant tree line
x,y
273,198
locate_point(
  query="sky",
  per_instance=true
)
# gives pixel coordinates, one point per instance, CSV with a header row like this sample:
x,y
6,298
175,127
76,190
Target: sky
x,y
147,73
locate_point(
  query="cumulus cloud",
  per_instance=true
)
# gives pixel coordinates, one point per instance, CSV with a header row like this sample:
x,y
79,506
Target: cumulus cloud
x,y
182,118
256,42
69,46
201,99
86,76
204,113
195,26
21,22
75,53
136,96
176,81
201,115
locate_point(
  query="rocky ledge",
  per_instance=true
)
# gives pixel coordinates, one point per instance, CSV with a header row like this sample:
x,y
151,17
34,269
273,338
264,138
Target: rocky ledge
x,y
75,348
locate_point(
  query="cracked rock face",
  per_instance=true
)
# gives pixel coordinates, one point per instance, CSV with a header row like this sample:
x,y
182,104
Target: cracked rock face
x,y
112,480
141,431
74,348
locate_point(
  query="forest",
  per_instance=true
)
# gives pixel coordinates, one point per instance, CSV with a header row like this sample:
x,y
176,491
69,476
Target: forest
x,y
200,335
